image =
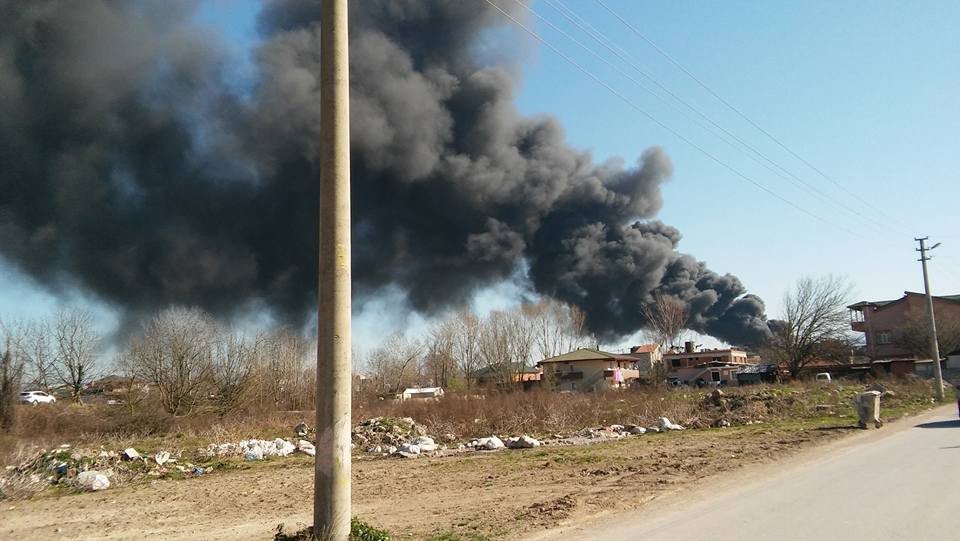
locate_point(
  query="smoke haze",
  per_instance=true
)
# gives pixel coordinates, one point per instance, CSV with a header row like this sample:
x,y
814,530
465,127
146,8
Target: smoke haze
x,y
132,168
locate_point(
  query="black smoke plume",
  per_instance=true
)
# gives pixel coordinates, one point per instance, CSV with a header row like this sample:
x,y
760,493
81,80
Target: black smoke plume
x,y
133,167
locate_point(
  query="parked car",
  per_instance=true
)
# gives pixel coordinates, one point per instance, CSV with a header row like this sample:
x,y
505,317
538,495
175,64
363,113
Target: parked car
x,y
824,376
36,397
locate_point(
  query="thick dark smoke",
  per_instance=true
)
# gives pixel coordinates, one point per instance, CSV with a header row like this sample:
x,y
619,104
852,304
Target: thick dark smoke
x,y
132,167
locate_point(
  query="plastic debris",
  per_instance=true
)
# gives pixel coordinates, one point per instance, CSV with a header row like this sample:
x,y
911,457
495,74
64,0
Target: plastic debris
x,y
492,443
522,442
306,447
408,450
664,424
93,480
161,458
426,444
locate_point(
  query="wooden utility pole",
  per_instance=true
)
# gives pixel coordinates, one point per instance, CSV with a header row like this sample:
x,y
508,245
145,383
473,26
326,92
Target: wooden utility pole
x,y
934,347
331,494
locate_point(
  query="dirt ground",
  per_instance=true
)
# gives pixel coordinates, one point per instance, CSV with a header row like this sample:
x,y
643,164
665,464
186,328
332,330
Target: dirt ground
x,y
502,494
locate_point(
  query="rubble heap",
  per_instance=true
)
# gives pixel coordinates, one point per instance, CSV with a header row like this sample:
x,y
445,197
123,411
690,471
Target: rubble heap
x,y
88,469
388,434
257,449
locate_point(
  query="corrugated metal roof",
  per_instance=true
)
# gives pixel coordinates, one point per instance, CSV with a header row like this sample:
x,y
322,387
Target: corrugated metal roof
x,y
759,369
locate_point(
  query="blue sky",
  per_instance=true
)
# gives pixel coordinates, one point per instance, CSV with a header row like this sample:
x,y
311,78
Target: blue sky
x,y
867,92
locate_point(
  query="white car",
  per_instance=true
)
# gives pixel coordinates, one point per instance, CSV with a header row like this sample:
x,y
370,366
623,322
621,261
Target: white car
x,y
36,397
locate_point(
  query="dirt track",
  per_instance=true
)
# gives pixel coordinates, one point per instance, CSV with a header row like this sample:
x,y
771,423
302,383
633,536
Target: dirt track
x,y
492,495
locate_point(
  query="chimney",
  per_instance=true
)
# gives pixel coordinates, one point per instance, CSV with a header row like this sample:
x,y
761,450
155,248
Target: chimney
x,y
689,347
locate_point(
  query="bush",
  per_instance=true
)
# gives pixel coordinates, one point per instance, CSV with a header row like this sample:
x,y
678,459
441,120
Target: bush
x,y
11,371
359,531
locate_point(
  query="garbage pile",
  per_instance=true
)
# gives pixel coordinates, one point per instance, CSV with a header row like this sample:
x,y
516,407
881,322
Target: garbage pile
x,y
386,432
258,449
400,437
88,469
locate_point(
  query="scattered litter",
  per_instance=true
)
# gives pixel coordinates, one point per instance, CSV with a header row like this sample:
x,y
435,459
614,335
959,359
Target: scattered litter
x,y
522,442
161,458
665,424
306,447
129,454
637,430
408,450
93,480
425,444
492,443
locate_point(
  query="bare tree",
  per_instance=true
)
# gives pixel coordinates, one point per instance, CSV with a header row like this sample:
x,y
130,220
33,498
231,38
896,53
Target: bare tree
x,y
232,367
174,354
466,344
132,389
11,373
39,355
391,364
814,320
558,328
281,377
666,320
506,343
76,344
914,336
439,361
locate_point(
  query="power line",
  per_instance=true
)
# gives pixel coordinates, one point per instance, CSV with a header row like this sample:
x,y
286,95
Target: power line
x,y
652,118
943,266
739,113
600,38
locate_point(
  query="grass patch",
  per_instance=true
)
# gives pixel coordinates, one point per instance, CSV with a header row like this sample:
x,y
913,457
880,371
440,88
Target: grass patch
x,y
359,531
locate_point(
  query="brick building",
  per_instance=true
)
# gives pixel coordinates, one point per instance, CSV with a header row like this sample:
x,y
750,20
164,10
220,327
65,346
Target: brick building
x,y
881,321
690,357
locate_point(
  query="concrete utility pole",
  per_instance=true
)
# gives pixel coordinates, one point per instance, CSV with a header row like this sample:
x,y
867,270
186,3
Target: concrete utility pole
x,y
331,490
934,347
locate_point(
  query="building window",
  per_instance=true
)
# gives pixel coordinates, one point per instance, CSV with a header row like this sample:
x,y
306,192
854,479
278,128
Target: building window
x,y
883,337
675,363
716,376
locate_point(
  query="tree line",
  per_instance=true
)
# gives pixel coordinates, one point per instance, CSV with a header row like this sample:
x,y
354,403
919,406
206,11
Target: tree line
x,y
179,360
463,348
183,359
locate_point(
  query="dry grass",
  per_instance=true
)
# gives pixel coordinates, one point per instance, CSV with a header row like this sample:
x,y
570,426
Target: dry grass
x,y
537,413
545,413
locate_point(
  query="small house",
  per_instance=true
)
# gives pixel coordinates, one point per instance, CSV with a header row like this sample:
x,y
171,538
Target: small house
x,y
589,370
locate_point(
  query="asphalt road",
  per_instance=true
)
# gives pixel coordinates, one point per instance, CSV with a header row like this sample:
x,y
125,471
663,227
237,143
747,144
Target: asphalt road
x,y
899,482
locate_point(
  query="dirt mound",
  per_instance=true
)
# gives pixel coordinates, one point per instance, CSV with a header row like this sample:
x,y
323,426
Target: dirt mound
x,y
385,432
